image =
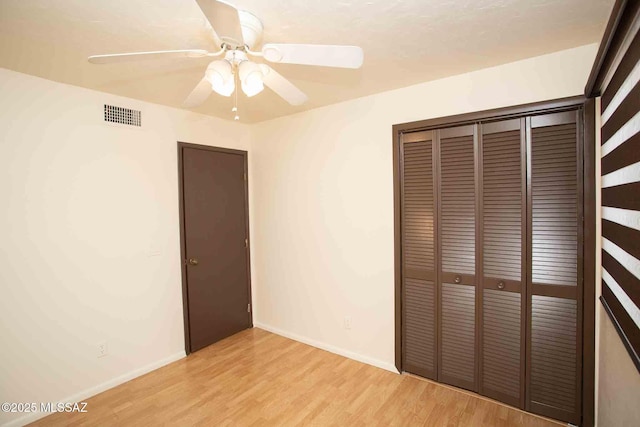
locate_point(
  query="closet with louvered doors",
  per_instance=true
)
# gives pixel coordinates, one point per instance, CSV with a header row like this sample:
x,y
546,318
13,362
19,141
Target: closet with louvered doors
x,y
491,259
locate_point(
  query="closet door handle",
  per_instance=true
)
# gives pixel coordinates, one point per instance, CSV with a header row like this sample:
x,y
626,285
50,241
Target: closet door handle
x,y
500,285
458,279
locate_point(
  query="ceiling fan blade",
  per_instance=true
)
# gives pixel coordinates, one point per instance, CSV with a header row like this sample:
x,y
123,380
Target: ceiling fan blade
x,y
224,19
283,87
314,54
198,95
138,56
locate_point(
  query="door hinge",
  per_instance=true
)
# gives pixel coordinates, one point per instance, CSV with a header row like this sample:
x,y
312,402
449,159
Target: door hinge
x,y
246,243
248,308
245,176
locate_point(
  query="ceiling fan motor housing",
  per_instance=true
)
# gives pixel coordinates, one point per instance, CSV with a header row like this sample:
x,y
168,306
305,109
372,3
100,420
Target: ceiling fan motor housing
x,y
251,30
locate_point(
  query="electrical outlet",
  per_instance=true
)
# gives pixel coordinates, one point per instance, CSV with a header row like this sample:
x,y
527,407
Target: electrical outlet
x,y
347,322
102,349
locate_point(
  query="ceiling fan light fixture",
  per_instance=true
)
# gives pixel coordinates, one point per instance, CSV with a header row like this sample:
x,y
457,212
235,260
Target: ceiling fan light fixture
x,y
220,75
225,89
251,76
252,86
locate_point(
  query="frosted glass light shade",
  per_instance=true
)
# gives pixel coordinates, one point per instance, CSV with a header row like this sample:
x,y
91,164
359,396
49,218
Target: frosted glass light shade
x,y
251,78
220,75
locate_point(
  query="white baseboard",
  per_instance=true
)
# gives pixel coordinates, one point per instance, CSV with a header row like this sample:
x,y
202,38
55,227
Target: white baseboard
x,y
92,391
328,347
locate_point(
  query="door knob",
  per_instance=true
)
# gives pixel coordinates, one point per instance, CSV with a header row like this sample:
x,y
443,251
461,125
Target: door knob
x,y
501,285
458,279
193,261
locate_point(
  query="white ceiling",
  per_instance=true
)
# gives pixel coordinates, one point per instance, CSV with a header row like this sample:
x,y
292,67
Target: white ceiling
x,y
405,42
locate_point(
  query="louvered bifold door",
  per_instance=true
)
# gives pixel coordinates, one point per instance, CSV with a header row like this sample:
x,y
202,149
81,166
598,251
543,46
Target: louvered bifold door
x,y
418,255
555,293
503,212
457,284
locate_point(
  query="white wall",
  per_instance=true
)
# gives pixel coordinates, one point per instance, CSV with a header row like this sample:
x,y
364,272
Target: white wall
x,y
323,200
619,382
89,237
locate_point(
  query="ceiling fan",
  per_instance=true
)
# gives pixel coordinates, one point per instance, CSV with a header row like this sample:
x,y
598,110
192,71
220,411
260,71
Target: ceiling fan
x,y
238,32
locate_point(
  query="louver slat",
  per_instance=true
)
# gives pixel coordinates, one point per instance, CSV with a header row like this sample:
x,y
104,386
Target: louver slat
x,y
554,205
418,214
419,328
419,343
502,205
458,205
553,352
458,335
501,366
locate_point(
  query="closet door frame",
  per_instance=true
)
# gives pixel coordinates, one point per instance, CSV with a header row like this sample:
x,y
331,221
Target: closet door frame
x,y
587,109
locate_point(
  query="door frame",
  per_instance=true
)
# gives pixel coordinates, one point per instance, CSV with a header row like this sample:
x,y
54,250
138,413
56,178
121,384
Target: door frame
x,y
183,251
588,229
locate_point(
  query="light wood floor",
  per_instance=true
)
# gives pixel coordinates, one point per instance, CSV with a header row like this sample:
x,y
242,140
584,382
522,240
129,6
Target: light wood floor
x,y
256,378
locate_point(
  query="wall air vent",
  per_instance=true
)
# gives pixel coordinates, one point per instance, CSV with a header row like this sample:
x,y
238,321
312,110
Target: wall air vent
x,y
125,116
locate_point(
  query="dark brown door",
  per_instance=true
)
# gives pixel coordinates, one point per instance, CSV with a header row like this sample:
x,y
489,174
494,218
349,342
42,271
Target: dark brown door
x,y
457,278
555,292
418,242
502,260
215,243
